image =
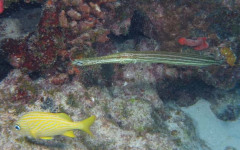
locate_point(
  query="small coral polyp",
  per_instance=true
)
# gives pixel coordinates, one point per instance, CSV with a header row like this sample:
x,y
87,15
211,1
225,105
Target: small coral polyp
x,y
229,55
83,18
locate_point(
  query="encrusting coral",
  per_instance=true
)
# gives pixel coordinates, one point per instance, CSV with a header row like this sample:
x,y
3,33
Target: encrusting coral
x,y
66,29
229,55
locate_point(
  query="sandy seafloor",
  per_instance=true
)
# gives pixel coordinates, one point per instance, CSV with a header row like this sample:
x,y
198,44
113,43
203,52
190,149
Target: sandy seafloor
x,y
216,133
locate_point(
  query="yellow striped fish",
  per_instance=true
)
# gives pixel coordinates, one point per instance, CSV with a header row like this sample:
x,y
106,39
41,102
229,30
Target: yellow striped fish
x,y
45,125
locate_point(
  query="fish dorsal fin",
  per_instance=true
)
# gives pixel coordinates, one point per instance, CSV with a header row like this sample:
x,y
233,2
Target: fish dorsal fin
x,y
64,116
69,134
46,138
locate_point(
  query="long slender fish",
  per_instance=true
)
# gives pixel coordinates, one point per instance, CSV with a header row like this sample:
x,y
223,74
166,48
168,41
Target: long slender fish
x,y
172,58
45,125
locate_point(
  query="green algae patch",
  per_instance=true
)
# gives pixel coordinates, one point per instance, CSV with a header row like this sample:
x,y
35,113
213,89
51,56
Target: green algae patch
x,y
61,109
71,101
20,109
28,86
52,91
132,100
132,114
177,141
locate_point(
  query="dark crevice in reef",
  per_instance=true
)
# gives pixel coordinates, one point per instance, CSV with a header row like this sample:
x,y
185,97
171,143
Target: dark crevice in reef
x,y
28,15
107,72
14,7
184,93
5,68
35,75
135,30
89,78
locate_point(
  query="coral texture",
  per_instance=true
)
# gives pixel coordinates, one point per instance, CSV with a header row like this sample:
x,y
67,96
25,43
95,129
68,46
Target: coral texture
x,y
137,104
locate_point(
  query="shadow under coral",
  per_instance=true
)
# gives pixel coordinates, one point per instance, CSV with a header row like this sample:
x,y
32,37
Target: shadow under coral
x,y
46,143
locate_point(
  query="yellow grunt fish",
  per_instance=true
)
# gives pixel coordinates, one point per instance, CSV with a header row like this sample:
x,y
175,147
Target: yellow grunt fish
x,y
45,125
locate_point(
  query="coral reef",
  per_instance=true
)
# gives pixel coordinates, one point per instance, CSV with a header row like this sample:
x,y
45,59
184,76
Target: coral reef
x,y
20,24
136,105
126,118
8,4
226,106
223,78
60,35
229,27
75,29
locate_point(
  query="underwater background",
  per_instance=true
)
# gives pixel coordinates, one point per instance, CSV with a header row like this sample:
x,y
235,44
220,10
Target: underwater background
x,y
157,74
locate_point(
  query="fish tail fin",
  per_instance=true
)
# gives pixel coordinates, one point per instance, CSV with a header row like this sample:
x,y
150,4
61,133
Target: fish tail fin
x,y
85,124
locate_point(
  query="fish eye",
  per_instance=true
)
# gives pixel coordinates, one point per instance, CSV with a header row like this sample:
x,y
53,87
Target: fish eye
x,y
17,127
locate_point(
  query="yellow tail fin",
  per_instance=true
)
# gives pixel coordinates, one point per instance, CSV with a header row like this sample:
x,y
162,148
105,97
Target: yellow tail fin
x,y
85,124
